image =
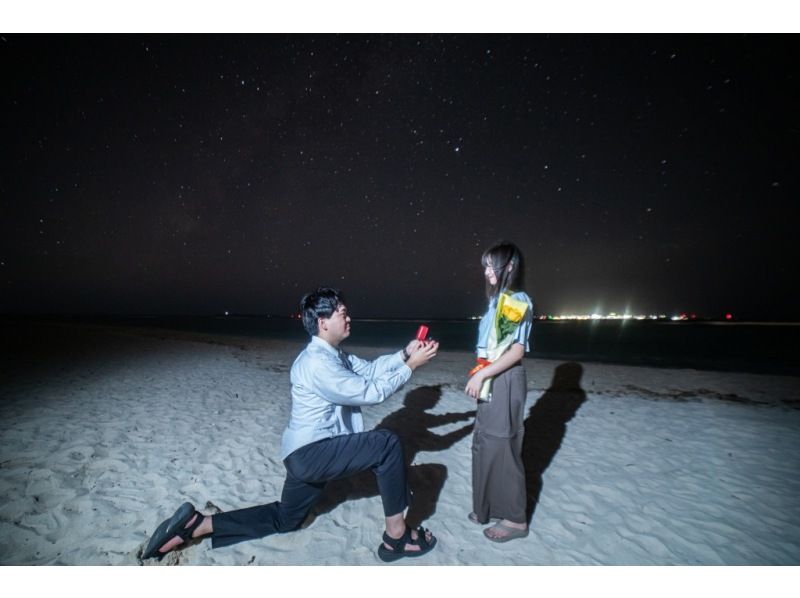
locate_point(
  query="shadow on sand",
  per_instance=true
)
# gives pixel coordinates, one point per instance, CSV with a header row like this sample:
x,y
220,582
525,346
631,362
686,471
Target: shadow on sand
x,y
413,424
546,426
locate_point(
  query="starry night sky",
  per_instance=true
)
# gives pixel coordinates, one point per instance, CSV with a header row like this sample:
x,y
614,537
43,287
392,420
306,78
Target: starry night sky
x,y
197,174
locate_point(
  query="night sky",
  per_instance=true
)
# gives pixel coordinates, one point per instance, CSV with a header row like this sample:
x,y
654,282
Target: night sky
x,y
198,174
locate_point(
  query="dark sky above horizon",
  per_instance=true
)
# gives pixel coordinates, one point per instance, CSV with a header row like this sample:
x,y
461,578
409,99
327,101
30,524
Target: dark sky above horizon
x,y
198,174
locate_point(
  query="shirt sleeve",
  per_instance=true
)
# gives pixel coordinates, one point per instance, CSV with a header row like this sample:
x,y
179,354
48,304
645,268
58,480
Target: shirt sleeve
x,y
483,330
341,386
376,367
524,328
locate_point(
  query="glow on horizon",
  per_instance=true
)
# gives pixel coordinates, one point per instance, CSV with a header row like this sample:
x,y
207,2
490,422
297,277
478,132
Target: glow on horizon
x,y
610,316
682,317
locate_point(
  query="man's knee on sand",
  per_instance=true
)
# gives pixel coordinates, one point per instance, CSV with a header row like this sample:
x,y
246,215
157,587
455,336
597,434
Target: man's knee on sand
x,y
290,524
291,519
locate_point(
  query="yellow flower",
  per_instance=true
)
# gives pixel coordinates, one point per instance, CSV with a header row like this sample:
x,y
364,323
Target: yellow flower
x,y
513,310
511,314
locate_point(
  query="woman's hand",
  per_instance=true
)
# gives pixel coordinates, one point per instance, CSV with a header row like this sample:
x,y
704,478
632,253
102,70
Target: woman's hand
x,y
474,384
508,359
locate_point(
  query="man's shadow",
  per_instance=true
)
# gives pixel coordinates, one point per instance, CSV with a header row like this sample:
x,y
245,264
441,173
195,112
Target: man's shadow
x,y
546,426
413,424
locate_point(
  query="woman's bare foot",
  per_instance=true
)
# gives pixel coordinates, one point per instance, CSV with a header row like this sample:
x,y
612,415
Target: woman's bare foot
x,y
497,531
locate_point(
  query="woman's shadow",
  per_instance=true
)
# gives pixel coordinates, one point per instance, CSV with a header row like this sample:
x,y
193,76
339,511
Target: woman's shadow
x,y
413,424
546,426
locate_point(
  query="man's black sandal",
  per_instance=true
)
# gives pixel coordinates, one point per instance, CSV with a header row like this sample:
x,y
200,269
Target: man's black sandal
x,y
174,526
398,545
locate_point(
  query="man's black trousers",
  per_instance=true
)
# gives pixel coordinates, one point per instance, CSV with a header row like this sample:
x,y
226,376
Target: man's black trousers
x,y
307,470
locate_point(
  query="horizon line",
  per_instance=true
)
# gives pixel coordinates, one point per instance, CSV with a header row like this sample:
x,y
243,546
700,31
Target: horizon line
x,y
542,318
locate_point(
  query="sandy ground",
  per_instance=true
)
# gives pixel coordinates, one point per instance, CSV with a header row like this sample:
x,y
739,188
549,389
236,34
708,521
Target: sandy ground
x,y
104,432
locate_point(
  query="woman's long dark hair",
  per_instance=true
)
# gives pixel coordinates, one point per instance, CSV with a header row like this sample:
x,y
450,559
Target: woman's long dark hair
x,y
500,256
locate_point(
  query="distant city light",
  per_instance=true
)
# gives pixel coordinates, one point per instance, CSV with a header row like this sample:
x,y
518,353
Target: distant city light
x,y
596,316
682,317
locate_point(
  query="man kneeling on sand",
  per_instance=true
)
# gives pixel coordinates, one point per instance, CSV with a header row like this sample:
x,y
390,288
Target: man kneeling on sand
x,y
323,441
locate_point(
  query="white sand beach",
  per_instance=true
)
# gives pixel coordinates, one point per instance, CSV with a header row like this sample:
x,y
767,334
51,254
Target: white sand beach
x,y
105,431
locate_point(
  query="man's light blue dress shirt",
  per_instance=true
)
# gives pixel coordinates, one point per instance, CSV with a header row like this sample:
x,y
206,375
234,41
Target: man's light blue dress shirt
x,y
328,388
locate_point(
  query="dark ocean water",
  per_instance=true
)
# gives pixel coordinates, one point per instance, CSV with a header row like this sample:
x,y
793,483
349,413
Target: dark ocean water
x,y
738,346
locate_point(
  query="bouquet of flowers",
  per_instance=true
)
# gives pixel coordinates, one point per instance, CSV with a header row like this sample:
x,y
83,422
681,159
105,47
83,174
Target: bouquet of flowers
x,y
507,318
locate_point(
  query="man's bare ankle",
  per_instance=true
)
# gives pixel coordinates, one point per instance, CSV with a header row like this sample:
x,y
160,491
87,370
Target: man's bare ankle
x,y
396,531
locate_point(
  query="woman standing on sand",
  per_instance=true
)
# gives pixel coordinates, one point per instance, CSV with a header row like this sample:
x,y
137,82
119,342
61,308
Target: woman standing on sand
x,y
498,384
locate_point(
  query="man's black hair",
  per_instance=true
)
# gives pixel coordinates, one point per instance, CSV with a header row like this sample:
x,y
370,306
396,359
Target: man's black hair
x,y
321,303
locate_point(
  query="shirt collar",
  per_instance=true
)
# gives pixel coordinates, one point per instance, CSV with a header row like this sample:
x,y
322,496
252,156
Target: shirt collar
x,y
323,344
